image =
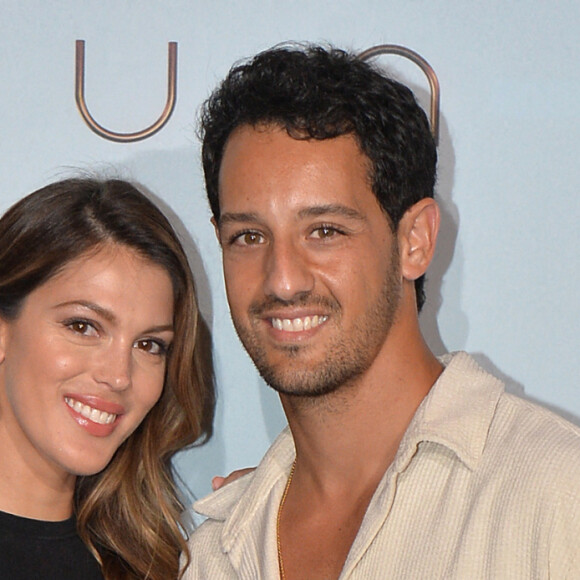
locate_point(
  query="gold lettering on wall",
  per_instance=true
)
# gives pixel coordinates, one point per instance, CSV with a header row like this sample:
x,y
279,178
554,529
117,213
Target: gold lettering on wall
x,y
113,135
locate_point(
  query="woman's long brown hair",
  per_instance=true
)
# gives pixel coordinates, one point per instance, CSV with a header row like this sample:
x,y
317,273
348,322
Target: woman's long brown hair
x,y
129,513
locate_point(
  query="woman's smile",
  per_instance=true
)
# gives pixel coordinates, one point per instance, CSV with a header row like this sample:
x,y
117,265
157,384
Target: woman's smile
x,y
84,360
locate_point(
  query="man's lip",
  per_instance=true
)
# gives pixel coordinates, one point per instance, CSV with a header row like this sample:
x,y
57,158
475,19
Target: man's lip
x,y
295,323
294,313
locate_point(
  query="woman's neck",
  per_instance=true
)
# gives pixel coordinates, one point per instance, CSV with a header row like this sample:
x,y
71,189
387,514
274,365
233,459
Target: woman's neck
x,y
33,490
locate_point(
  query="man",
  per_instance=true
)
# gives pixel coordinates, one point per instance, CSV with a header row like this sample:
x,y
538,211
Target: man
x,y
320,175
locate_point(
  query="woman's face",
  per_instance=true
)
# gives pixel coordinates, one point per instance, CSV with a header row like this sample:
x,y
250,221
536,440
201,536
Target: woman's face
x,y
84,362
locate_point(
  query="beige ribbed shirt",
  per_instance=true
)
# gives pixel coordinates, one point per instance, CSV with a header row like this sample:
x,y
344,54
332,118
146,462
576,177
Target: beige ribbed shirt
x,y
484,486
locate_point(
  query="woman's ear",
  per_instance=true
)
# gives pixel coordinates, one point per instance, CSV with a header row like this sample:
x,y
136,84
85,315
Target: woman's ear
x,y
3,331
417,237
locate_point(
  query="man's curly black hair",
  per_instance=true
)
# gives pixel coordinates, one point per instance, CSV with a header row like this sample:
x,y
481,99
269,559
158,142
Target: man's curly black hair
x,y
316,92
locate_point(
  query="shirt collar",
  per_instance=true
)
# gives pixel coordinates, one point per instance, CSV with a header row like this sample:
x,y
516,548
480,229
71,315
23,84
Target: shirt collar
x,y
240,501
457,412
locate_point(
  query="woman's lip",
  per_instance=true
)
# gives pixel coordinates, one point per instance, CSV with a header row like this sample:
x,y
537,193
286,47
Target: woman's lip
x,y
91,427
98,403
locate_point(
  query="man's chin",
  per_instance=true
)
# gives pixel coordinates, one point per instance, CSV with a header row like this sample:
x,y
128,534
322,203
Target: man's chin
x,y
305,383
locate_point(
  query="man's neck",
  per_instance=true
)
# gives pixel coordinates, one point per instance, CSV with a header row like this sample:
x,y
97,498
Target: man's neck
x,y
349,438
345,442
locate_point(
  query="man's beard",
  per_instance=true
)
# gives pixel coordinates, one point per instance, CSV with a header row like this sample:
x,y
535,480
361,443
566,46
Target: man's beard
x,y
348,356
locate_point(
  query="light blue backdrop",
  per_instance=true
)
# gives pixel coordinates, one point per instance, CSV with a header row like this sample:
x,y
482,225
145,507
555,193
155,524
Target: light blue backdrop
x,y
504,283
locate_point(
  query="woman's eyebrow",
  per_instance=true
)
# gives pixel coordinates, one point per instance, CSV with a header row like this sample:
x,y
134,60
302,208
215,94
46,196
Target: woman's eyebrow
x,y
104,312
110,316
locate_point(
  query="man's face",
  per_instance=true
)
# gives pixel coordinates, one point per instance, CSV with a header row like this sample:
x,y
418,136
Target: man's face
x,y
311,265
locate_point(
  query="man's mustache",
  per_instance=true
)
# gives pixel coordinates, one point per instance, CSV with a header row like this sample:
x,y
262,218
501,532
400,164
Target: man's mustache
x,y
303,300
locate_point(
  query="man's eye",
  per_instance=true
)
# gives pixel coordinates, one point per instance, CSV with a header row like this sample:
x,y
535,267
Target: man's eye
x,y
248,239
325,232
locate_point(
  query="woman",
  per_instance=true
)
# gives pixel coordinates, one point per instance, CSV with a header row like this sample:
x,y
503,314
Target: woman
x,y
101,383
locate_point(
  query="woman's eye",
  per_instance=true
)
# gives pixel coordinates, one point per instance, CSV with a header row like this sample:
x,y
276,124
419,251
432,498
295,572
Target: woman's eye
x,y
82,327
156,347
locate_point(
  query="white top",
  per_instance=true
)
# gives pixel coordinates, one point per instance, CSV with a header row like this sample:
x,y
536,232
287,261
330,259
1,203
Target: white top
x,y
484,485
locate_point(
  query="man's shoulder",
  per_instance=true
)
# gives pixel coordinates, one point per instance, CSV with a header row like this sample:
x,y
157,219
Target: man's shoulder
x,y
220,505
533,435
534,413
496,432
237,517
208,558
207,554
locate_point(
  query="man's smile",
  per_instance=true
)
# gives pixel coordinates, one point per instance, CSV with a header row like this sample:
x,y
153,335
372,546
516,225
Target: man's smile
x,y
298,324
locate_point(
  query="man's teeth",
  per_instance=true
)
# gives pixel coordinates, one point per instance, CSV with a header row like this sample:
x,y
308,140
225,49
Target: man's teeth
x,y
94,415
298,324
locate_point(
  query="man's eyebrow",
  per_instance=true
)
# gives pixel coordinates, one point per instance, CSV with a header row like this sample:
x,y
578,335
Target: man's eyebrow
x,y
331,209
311,211
232,218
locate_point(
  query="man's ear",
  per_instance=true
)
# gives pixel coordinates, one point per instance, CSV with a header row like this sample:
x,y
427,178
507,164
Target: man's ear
x,y
217,230
417,237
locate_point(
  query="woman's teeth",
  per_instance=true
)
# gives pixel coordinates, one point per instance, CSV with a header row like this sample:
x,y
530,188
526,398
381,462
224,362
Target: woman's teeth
x,y
94,415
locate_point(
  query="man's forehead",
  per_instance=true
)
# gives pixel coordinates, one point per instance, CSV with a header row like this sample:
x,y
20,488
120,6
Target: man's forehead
x,y
254,158
264,134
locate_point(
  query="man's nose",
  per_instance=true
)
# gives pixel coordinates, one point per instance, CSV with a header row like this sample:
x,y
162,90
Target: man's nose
x,y
288,271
